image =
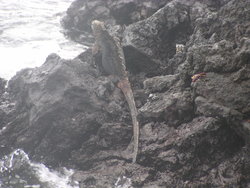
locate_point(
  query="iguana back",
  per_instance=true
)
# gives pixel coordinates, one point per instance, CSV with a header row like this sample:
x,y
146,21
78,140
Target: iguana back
x,y
113,62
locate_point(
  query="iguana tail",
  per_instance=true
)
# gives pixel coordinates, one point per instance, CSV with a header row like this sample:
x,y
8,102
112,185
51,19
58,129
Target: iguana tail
x,y
125,86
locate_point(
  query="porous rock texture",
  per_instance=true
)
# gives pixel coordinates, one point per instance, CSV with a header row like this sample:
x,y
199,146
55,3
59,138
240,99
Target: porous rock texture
x,y
193,134
2,101
122,12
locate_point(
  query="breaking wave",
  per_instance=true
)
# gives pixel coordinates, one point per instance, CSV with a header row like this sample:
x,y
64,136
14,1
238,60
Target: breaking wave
x,y
18,171
29,31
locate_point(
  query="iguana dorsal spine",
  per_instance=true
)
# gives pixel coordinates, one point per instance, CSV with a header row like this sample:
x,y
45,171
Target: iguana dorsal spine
x,y
113,63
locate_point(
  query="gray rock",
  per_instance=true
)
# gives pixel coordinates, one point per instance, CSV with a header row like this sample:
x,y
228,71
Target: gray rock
x,y
193,133
222,89
159,83
123,12
60,108
155,39
172,107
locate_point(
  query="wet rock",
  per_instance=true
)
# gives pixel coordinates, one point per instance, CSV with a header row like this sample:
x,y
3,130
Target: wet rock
x,y
18,171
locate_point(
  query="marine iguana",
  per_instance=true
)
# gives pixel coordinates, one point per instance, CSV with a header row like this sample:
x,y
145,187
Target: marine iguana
x,y
113,63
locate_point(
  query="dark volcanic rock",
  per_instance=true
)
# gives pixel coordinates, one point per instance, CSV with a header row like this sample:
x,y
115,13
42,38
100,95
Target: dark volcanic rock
x,y
81,13
63,108
2,90
5,105
2,85
158,40
188,155
193,133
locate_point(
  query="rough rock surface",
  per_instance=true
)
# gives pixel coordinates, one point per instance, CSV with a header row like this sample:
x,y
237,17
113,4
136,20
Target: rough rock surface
x,y
81,12
62,105
2,90
193,134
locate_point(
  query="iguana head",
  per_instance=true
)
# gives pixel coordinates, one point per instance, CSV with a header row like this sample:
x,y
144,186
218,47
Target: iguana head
x,y
97,27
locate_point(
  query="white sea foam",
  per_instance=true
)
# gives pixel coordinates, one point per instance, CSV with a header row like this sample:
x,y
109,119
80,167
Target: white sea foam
x,y
30,31
123,182
11,166
52,178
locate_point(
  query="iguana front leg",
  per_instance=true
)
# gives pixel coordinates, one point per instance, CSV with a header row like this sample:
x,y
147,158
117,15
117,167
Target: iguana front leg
x,y
95,48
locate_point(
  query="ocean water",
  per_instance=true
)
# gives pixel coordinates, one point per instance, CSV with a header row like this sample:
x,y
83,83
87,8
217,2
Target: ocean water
x,y
18,171
29,31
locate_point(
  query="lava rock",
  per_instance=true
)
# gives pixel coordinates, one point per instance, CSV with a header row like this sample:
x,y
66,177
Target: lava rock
x,y
193,133
123,12
59,110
